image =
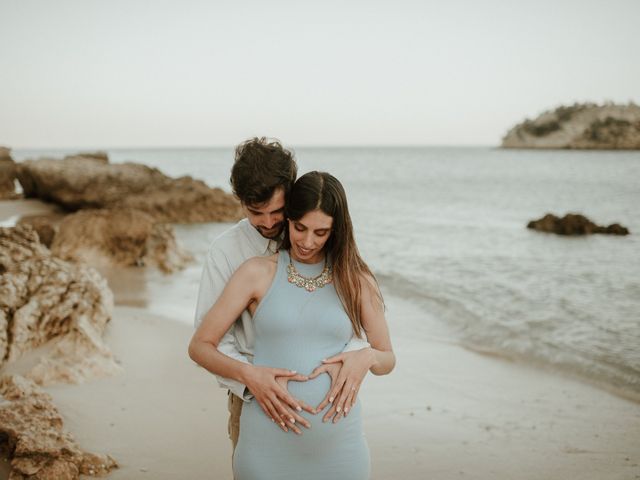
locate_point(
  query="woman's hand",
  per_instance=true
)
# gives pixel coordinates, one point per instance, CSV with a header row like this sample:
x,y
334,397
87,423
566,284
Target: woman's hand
x,y
269,387
297,419
347,371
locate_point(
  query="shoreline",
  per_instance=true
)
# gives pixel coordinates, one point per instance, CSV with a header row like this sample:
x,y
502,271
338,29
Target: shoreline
x,y
150,289
445,411
574,376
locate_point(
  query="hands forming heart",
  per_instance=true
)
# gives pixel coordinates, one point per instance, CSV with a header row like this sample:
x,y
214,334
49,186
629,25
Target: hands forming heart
x,y
347,371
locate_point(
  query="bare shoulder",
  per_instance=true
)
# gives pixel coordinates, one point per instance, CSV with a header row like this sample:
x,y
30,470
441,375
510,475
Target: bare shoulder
x,y
368,283
370,290
256,267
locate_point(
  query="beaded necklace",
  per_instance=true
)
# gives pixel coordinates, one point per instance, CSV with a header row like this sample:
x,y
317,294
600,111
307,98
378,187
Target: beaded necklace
x,y
309,284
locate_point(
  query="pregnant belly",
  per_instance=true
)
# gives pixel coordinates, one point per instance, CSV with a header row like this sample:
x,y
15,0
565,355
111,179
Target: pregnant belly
x,y
312,391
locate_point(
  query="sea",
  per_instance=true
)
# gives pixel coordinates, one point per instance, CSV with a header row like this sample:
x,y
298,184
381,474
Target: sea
x,y
444,228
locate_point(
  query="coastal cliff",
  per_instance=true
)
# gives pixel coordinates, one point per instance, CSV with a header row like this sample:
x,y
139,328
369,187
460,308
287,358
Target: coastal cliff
x,y
580,126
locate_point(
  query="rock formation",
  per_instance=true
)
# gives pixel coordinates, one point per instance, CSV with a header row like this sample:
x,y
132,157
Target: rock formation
x,y
125,237
90,181
7,175
45,299
45,226
32,433
573,224
580,126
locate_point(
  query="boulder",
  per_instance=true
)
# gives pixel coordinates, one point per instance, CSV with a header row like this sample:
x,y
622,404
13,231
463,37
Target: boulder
x,y
573,224
78,182
120,237
580,126
46,299
45,226
32,433
8,172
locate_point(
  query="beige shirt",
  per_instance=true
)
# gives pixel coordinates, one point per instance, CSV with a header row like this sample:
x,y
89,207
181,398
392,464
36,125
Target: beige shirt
x,y
226,253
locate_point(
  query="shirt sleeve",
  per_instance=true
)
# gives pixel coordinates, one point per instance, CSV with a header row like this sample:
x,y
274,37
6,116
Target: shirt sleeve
x,y
216,273
356,343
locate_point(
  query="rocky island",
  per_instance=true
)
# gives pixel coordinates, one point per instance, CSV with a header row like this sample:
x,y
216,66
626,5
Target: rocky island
x,y
580,126
574,224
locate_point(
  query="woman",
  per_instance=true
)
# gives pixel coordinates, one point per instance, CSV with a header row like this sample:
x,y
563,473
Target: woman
x,y
306,301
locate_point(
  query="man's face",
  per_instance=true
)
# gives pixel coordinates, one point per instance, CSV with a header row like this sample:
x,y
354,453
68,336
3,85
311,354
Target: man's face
x,y
267,217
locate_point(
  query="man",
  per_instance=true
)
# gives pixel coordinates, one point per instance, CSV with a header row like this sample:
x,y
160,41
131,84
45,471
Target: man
x,y
262,176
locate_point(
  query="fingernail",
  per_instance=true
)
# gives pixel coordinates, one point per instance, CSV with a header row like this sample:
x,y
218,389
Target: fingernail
x,y
331,399
298,408
338,409
292,420
282,424
346,410
293,371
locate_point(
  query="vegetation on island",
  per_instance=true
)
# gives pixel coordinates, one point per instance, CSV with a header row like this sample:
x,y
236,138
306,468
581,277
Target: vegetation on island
x,y
579,126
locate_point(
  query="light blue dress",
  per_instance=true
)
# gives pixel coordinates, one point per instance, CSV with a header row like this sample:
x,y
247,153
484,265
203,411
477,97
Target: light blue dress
x,y
296,329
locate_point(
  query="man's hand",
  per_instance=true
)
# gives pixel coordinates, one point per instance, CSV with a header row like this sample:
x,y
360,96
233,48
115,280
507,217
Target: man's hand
x,y
269,387
347,371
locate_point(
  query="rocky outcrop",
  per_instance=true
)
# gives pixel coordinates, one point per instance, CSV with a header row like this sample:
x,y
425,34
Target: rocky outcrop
x,y
123,237
7,175
45,226
45,299
580,126
82,181
573,224
32,433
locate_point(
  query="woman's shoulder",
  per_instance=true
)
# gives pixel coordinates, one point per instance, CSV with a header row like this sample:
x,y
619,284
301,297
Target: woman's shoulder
x,y
258,266
369,285
367,280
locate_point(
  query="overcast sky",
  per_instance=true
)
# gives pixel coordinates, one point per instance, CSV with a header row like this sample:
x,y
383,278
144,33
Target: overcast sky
x,y
113,73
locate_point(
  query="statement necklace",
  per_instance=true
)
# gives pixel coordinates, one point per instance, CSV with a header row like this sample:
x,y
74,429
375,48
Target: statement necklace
x,y
309,284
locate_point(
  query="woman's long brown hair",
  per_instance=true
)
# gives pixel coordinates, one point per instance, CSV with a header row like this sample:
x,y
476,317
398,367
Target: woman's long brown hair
x,y
322,191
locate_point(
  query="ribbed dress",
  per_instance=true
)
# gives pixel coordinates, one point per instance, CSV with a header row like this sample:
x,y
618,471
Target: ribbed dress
x,y
296,329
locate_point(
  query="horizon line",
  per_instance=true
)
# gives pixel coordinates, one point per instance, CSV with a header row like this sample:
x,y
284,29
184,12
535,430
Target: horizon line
x,y
230,146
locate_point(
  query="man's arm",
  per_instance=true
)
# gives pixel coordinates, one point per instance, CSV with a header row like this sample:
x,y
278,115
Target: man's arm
x,y
215,275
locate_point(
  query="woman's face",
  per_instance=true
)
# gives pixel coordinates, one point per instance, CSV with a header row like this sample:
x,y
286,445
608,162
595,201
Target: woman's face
x,y
308,236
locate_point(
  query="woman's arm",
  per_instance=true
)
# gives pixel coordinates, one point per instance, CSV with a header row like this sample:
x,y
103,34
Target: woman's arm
x,y
375,326
245,286
238,294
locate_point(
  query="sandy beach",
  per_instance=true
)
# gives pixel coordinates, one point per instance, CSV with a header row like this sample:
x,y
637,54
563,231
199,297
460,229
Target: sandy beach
x,y
445,412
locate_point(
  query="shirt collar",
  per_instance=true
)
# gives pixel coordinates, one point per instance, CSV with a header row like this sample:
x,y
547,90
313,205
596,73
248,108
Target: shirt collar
x,y
263,245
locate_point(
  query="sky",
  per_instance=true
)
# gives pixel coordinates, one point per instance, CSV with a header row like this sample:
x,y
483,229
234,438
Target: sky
x,y
109,74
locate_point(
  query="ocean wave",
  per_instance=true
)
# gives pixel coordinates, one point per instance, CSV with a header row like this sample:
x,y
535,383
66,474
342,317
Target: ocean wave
x,y
535,340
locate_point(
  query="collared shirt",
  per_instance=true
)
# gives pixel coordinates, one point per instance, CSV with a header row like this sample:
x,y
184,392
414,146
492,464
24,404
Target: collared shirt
x,y
226,253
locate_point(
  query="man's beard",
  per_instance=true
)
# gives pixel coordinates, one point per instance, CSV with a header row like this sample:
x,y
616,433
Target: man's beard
x,y
272,233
